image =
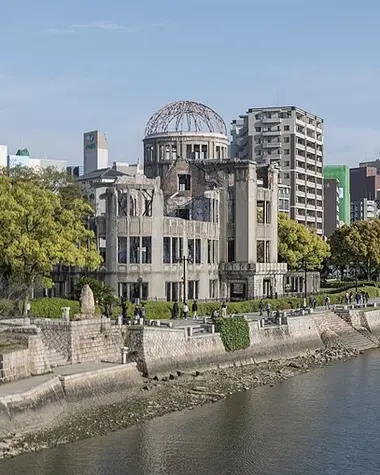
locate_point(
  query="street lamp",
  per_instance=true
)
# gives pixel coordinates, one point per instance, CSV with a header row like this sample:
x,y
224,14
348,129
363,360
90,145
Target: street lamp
x,y
184,260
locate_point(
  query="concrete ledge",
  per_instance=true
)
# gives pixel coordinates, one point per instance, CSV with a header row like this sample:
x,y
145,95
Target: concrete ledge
x,y
32,408
105,380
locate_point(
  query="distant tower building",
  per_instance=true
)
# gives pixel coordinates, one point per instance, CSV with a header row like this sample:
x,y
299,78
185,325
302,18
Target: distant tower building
x,y
342,174
331,216
95,151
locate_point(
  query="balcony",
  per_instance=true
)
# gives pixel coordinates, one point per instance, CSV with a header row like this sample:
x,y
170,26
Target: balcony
x,y
271,144
272,120
271,133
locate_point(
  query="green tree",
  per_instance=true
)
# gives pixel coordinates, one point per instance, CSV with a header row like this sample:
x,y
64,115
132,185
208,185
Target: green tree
x,y
297,244
43,223
357,246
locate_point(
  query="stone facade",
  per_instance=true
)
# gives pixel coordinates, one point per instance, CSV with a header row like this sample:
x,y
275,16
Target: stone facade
x,y
182,237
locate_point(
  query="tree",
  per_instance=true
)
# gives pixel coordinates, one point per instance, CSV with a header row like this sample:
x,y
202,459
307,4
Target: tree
x,y
297,244
357,245
43,223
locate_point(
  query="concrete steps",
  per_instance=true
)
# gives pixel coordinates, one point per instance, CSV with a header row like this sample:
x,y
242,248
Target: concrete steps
x,y
55,359
348,335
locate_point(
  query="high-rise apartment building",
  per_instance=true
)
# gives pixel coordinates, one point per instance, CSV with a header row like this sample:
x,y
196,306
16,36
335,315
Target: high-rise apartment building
x,y
364,184
342,174
363,209
293,138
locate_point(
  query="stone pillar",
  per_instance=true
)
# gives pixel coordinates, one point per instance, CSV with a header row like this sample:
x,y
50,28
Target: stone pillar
x,y
111,239
246,213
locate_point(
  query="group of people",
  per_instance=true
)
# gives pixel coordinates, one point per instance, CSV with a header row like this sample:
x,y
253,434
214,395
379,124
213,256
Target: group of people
x,y
186,312
361,298
138,312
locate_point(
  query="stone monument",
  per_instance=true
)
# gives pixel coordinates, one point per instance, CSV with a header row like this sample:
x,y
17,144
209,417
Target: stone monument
x,y
87,303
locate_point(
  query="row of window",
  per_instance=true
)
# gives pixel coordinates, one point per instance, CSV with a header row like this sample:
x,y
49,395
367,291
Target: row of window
x,y
262,251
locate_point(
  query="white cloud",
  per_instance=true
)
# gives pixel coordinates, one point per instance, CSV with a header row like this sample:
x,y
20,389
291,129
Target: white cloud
x,y
96,25
60,31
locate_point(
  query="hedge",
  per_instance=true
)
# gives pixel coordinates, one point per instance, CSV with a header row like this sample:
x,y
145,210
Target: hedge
x,y
234,333
6,307
51,307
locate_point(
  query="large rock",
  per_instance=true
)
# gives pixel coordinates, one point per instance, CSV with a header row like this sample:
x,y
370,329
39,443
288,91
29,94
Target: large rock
x,y
87,302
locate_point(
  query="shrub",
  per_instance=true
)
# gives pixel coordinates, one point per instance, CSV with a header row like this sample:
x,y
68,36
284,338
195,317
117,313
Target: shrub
x,y
6,307
234,333
51,307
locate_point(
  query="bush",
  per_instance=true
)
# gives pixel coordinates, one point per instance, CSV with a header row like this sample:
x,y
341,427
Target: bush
x,y
6,307
51,307
234,333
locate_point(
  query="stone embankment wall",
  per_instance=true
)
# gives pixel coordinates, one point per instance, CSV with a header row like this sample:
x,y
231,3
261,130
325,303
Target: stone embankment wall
x,y
83,341
160,351
24,363
59,395
369,320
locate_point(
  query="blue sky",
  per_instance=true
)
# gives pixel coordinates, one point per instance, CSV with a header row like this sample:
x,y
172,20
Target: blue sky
x,y
72,66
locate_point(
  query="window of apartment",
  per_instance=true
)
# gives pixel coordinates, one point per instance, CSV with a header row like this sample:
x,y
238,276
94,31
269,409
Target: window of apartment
x,y
213,289
198,251
286,151
286,128
175,255
148,208
260,212
122,250
134,250
286,176
215,256
166,250
258,116
260,252
267,212
192,289
286,139
231,251
287,164
190,249
209,251
146,250
258,129
184,182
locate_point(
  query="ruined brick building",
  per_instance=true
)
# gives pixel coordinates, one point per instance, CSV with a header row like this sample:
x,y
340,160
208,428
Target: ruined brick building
x,y
196,224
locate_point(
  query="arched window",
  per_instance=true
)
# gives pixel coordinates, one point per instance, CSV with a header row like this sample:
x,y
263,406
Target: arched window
x,y
132,206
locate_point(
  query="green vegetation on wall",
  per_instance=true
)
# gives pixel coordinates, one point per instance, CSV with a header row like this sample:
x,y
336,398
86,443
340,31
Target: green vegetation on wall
x,y
234,333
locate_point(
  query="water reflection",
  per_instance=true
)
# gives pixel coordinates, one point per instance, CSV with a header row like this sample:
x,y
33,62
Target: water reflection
x,y
324,422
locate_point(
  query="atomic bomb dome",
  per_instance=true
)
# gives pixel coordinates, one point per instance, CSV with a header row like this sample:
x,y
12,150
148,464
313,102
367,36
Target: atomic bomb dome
x,y
185,129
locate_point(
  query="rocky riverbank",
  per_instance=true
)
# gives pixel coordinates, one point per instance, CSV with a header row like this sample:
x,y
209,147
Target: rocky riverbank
x,y
155,398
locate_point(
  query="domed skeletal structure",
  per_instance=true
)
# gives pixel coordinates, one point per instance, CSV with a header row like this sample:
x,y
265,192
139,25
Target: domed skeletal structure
x,y
185,116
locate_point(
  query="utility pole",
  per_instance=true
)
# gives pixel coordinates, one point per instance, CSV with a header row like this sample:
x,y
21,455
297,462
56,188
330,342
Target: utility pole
x,y
184,260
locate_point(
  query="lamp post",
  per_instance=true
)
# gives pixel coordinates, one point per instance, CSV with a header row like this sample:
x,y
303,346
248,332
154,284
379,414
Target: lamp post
x,y
184,260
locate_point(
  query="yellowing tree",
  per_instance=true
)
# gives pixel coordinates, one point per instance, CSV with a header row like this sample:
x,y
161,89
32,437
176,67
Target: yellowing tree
x,y
297,244
43,223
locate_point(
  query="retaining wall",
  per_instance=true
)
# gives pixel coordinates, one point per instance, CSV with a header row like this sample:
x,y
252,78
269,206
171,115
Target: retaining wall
x,y
57,396
161,351
31,361
371,320
83,341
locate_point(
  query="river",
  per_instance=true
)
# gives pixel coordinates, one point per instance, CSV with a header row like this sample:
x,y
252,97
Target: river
x,y
326,422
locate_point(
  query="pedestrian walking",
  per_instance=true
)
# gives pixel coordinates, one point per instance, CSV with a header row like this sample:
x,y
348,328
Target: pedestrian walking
x,y
261,307
268,308
175,310
194,309
224,310
327,302
185,311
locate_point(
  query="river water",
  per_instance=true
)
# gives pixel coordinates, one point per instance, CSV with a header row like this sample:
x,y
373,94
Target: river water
x,y
326,422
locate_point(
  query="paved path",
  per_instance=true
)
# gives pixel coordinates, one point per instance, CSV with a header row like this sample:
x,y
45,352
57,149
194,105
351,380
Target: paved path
x,y
23,385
